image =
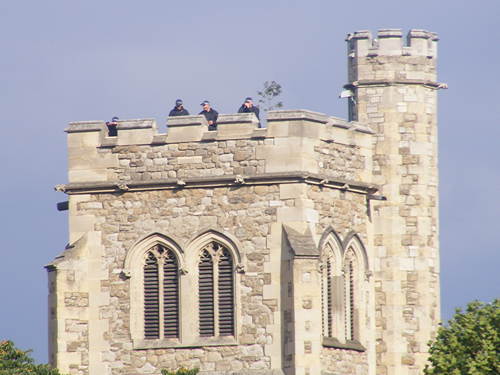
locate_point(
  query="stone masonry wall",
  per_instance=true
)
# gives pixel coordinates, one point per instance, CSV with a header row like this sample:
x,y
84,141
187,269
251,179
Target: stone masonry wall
x,y
231,157
121,193
247,213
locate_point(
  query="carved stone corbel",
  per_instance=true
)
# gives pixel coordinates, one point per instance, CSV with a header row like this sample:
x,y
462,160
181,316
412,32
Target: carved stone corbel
x,y
240,268
125,275
122,187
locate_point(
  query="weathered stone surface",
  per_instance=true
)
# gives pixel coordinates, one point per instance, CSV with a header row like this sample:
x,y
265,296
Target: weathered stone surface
x,y
241,183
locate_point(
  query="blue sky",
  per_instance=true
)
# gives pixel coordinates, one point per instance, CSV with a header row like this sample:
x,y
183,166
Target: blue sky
x,y
76,60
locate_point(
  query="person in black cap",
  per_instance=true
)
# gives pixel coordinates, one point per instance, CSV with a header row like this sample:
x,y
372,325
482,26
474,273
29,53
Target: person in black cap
x,y
210,114
179,109
248,106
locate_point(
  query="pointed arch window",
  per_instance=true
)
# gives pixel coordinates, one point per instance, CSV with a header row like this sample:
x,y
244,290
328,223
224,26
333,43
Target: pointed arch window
x,y
344,291
183,297
216,291
161,293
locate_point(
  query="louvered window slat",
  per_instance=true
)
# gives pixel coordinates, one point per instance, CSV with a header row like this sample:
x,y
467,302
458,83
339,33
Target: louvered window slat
x,y
206,295
351,300
226,295
151,298
170,296
329,304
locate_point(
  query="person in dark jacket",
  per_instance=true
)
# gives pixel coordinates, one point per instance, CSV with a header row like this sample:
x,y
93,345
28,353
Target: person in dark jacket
x,y
112,130
179,109
210,114
248,106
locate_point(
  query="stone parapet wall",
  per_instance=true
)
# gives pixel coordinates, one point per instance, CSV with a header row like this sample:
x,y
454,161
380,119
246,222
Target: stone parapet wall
x,y
293,141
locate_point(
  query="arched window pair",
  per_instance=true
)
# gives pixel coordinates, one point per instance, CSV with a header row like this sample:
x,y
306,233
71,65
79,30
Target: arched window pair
x,y
181,297
343,268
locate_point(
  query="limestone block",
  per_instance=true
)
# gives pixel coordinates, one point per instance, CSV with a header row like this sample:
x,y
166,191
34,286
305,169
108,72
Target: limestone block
x,y
289,154
300,123
236,126
135,136
186,128
88,139
293,191
288,214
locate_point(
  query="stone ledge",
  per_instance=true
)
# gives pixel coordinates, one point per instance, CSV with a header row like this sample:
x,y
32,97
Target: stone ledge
x,y
85,126
298,114
332,342
219,181
191,120
349,125
388,82
175,343
244,372
95,126
146,123
237,118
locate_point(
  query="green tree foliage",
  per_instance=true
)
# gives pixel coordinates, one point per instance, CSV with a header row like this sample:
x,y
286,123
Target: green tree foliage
x,y
469,344
181,371
269,95
14,361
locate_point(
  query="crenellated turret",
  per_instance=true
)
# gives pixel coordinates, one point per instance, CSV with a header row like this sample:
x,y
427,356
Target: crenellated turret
x,y
390,42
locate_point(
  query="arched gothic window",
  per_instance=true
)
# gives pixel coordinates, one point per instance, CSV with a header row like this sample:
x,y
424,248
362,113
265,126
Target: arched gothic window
x,y
216,291
161,294
344,290
183,297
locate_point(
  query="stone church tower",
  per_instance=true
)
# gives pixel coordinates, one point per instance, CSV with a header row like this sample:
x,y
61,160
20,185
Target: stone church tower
x,y
307,247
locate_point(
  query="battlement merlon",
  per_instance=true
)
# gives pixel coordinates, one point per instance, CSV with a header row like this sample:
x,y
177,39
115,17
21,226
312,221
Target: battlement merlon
x,y
389,42
298,143
388,61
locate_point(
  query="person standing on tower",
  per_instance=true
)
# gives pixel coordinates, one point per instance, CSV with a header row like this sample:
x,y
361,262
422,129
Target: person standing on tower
x,y
112,127
210,114
179,109
248,107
